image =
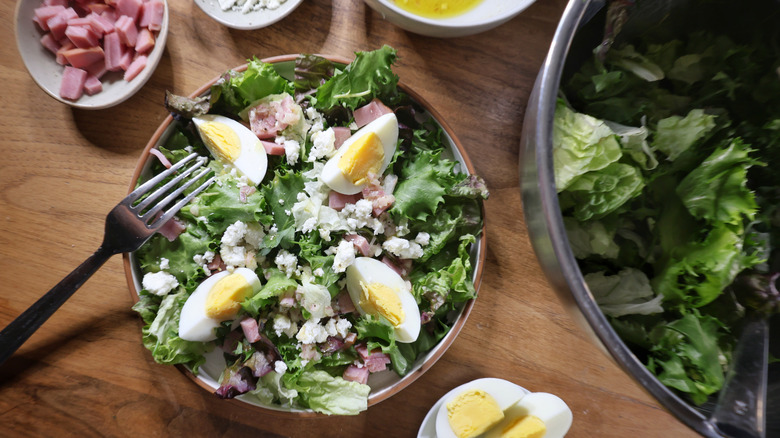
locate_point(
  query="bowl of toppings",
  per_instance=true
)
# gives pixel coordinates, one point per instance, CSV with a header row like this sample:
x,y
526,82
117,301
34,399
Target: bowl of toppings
x,y
649,191
248,14
448,18
91,55
338,254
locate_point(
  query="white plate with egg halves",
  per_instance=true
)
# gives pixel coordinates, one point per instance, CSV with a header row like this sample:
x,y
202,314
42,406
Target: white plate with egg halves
x,y
247,14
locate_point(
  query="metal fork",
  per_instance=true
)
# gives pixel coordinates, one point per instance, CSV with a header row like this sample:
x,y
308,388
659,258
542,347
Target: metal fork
x,y
128,226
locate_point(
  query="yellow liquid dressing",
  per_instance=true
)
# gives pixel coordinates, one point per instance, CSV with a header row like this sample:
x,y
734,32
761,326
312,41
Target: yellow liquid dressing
x,y
437,8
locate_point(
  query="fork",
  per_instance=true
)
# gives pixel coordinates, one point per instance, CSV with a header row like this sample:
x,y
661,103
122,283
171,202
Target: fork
x,y
128,226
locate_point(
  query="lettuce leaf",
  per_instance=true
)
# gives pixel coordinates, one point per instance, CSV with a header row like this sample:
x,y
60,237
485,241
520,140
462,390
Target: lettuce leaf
x,y
425,180
235,91
675,134
330,395
281,194
626,293
598,193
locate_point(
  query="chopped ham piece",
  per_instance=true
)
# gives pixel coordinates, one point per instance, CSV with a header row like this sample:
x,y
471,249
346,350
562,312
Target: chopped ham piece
x,y
401,270
342,133
50,43
126,60
356,374
125,28
110,15
375,360
82,37
135,67
97,69
72,86
145,41
374,192
268,118
216,264
112,46
309,352
64,47
44,13
62,3
370,112
160,156
92,85
360,242
251,329
171,229
350,339
272,148
83,58
337,200
244,192
332,345
100,24
345,303
129,8
59,23
152,15
98,8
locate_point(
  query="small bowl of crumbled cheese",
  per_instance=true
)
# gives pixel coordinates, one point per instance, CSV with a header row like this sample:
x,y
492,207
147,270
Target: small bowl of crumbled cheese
x,y
248,14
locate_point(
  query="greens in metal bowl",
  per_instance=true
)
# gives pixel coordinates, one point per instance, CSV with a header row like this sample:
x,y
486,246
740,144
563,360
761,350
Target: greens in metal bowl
x,y
336,253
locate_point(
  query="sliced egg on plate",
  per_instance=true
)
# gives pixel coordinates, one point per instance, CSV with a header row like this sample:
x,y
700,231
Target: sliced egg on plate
x,y
217,299
536,415
376,289
475,407
233,143
369,150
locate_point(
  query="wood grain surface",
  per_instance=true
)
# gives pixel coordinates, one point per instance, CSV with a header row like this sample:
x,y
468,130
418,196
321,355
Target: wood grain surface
x,y
85,372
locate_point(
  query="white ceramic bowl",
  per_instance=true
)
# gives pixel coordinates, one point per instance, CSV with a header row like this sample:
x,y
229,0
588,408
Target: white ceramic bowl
x,y
485,16
43,67
251,20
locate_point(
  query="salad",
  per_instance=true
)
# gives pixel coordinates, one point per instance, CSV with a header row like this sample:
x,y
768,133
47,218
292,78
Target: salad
x,y
665,155
335,243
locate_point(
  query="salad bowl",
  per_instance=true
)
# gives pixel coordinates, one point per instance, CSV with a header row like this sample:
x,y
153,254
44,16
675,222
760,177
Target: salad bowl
x,y
383,384
580,30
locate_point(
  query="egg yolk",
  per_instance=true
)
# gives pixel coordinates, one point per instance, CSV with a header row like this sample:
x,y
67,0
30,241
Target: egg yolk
x,y
472,413
526,426
224,299
365,155
376,298
221,140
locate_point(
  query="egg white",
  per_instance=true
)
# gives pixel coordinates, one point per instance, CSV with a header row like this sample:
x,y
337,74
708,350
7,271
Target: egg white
x,y
549,408
194,325
386,128
368,270
252,161
504,392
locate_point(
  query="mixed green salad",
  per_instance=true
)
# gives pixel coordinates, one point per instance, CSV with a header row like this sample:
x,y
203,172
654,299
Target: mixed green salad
x,y
297,340
666,152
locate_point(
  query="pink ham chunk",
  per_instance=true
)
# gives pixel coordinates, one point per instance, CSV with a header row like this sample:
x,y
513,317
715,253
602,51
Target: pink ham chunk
x,y
114,50
251,329
342,133
97,68
152,15
55,2
59,23
67,45
129,8
98,8
360,242
127,59
268,118
82,37
125,28
370,112
100,24
92,85
72,86
44,13
337,200
50,43
355,374
145,41
135,67
83,58
272,148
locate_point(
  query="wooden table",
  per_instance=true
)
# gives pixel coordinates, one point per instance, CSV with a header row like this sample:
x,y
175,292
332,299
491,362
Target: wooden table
x,y
85,372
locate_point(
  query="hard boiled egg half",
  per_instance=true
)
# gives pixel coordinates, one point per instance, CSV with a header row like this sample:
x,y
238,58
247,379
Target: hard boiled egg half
x,y
233,143
376,289
217,299
369,150
492,407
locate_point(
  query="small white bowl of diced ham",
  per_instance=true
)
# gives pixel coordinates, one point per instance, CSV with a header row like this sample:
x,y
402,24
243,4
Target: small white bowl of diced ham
x,y
91,54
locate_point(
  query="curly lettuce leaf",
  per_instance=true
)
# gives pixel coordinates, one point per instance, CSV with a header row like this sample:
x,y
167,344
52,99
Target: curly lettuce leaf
x,y
379,333
424,181
598,193
330,395
281,194
235,91
447,274
278,283
675,135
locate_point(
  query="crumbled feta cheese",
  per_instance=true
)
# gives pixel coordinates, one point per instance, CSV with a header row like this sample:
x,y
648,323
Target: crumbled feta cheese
x,y
280,367
345,256
159,283
423,238
312,333
318,272
234,234
254,235
403,248
286,262
164,263
292,149
233,256
283,325
204,260
323,145
315,119
338,327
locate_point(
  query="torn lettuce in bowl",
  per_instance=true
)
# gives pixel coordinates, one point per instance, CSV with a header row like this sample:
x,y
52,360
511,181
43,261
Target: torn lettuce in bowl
x,y
299,342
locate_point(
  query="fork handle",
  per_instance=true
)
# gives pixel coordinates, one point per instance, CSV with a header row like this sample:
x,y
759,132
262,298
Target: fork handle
x,y
21,328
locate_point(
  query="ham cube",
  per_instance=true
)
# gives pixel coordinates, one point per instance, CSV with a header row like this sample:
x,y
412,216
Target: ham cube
x,y
92,85
109,15
145,41
129,8
58,23
72,86
97,69
100,24
370,112
272,148
83,58
152,15
342,133
127,59
135,68
81,37
63,3
64,46
44,13
113,51
355,374
98,8
79,21
50,43
125,28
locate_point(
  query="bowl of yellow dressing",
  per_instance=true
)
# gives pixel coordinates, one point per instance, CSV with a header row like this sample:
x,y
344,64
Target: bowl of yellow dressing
x,y
448,18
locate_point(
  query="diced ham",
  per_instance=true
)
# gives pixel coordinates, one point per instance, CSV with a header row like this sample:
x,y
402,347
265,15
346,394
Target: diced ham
x,y
62,3
64,47
374,360
402,271
171,229
350,339
216,264
160,156
152,15
125,28
98,8
145,41
92,85
337,200
83,58
345,303
109,15
251,329
82,37
72,86
356,374
135,67
374,192
100,24
268,118
272,148
370,112
287,299
309,352
113,50
342,133
80,21
126,60
44,13
97,68
244,192
360,242
59,23
129,8
332,345
50,43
